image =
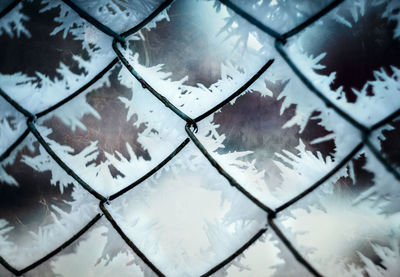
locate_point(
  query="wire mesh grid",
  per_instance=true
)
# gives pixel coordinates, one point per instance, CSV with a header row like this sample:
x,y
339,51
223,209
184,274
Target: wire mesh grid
x,y
191,129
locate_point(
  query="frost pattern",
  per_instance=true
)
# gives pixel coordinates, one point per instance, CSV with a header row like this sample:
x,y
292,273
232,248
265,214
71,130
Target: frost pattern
x,y
187,192
119,15
166,129
12,125
64,224
237,67
349,225
391,14
298,171
384,86
218,233
12,23
36,93
280,15
103,261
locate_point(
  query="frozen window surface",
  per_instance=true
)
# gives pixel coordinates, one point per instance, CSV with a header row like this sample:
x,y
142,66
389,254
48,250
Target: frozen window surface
x,y
199,138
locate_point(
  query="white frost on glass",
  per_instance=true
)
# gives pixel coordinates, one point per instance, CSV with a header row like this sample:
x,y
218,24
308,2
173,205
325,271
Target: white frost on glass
x,y
377,137
187,218
334,229
13,22
356,9
391,13
390,256
37,93
100,252
34,245
385,192
267,256
163,134
384,86
298,171
9,160
119,15
280,15
242,59
12,125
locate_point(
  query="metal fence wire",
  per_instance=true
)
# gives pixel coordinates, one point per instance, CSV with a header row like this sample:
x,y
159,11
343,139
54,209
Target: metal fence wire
x,y
191,129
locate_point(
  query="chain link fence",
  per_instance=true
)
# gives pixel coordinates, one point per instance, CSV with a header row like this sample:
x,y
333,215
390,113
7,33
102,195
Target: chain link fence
x,y
191,130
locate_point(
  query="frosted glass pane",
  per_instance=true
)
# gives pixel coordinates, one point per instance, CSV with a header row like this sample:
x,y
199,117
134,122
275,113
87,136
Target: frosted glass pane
x,y
100,252
350,225
265,257
48,52
281,15
202,65
277,139
40,205
119,15
113,133
386,139
353,56
187,217
12,125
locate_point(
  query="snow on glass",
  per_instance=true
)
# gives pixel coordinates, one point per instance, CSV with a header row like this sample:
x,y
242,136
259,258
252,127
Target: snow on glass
x,y
276,139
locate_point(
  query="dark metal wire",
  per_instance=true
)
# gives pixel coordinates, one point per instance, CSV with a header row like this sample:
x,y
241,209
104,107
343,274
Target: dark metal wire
x,y
17,106
291,248
14,145
236,93
17,272
236,253
280,40
80,90
58,160
94,21
128,241
151,172
221,171
7,9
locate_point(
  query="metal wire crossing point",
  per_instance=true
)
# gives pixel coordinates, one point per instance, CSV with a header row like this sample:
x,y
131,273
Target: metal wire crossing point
x,y
191,129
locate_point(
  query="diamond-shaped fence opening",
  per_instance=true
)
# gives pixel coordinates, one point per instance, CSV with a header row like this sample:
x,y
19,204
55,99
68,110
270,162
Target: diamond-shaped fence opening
x,y
224,138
